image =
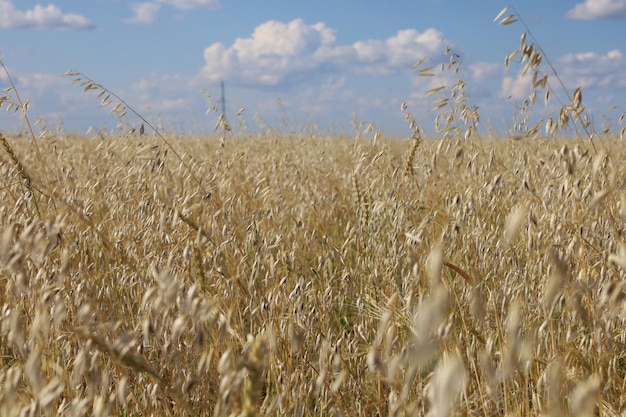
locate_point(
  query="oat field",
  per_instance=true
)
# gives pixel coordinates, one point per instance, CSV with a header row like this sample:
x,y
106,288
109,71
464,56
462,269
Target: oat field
x,y
309,276
148,274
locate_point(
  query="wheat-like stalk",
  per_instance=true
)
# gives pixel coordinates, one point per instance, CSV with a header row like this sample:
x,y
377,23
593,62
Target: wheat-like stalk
x,y
121,108
16,162
316,279
532,56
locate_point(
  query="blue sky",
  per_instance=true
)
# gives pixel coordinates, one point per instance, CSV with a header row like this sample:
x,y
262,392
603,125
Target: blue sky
x,y
323,60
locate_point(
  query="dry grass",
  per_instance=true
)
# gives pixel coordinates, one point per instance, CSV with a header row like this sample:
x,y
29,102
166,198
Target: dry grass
x,y
149,275
303,285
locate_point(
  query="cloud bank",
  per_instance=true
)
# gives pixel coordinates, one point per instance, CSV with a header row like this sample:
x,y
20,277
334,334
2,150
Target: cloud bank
x,y
145,13
191,4
598,9
591,70
282,53
40,17
322,79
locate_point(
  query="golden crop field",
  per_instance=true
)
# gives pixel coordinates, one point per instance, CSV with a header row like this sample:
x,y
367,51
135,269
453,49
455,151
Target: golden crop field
x,y
309,276
290,274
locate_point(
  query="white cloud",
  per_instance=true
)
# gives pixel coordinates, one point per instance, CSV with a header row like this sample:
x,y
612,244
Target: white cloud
x,y
482,70
3,75
159,86
598,9
39,86
516,88
158,93
167,105
191,4
280,53
38,81
145,13
53,94
591,57
382,57
593,70
274,52
320,99
40,17
50,96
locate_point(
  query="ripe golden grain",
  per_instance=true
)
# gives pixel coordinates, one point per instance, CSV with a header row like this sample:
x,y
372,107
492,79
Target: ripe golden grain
x,y
306,276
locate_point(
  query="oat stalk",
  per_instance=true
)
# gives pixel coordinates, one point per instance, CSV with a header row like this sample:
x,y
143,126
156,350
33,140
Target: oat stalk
x,y
120,109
